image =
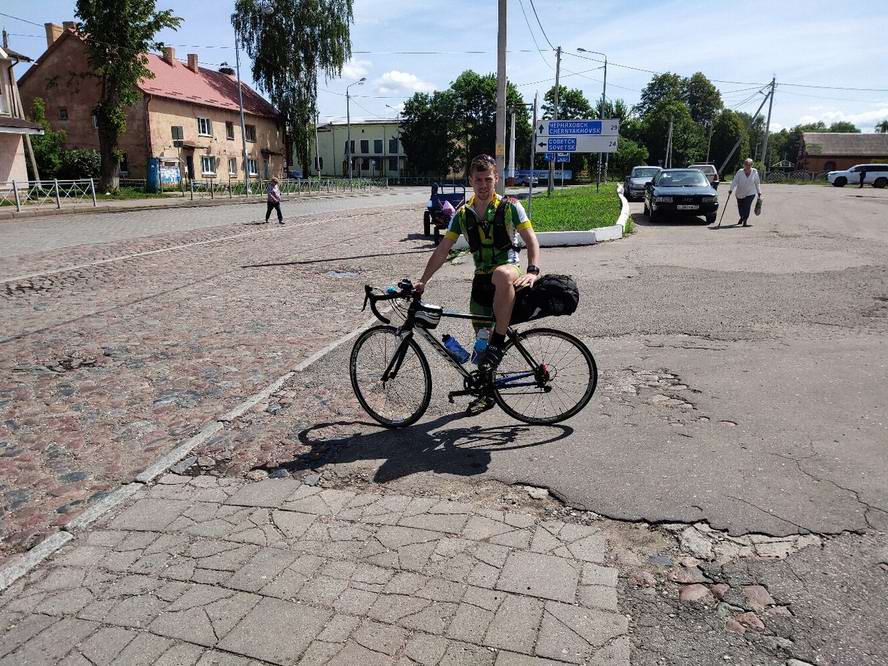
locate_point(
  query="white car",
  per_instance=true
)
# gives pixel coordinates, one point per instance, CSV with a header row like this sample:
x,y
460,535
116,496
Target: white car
x,y
873,174
709,171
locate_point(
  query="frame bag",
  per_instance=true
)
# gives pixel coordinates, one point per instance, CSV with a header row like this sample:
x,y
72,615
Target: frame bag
x,y
550,296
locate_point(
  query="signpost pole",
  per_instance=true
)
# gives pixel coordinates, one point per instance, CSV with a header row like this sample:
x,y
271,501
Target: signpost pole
x,y
501,96
532,157
555,113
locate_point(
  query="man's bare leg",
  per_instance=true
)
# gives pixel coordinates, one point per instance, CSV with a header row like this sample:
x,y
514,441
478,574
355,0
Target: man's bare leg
x,y
504,297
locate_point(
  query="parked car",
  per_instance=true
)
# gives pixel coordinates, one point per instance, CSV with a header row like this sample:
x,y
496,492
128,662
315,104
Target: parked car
x,y
526,180
874,174
680,191
633,184
709,171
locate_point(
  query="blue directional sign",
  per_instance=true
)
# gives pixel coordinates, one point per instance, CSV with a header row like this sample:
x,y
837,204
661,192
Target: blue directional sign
x,y
606,127
558,157
583,143
562,144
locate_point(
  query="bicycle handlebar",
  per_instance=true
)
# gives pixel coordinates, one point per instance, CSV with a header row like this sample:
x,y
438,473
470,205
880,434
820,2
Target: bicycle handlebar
x,y
404,290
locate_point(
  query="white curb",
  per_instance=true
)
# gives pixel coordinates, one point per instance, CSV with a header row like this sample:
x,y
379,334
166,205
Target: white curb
x,y
572,238
24,563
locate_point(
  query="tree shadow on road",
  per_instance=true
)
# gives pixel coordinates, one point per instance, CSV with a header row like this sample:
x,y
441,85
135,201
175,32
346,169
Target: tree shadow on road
x,y
425,447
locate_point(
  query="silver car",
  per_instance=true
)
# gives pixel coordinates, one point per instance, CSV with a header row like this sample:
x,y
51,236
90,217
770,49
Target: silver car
x,y
635,182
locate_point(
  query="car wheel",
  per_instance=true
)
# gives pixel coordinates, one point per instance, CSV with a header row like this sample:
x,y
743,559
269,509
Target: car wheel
x,y
840,182
880,182
711,218
652,216
426,224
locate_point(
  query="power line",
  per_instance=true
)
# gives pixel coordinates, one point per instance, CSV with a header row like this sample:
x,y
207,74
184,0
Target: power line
x,y
542,29
19,18
532,35
820,87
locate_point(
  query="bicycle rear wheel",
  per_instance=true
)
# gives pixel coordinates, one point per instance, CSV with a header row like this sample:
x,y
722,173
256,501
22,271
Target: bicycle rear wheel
x,y
402,399
558,384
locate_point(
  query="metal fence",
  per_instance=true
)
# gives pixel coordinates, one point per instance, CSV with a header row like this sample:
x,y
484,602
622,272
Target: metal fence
x,y
213,188
795,176
37,194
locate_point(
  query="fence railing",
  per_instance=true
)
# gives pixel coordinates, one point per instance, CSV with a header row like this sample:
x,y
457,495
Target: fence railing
x,y
54,193
794,176
233,187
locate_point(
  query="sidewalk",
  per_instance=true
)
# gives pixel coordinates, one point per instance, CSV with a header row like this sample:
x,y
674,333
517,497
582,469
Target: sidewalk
x,y
205,570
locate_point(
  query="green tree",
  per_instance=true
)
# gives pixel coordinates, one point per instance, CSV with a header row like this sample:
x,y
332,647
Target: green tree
x,y
49,147
794,140
844,127
290,41
80,163
428,133
727,128
660,90
702,97
572,103
628,155
117,34
882,127
688,141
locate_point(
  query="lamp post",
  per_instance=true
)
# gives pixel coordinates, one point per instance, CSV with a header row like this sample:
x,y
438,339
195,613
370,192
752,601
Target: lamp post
x,y
348,140
266,9
397,142
603,98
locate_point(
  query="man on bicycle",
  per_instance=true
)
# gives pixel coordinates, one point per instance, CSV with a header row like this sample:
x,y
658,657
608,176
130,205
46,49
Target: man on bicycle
x,y
490,224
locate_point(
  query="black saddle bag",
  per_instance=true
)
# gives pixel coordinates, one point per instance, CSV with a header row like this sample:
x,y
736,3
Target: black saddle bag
x,y
550,296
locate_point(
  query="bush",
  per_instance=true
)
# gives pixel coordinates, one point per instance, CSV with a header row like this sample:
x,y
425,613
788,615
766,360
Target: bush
x,y
80,163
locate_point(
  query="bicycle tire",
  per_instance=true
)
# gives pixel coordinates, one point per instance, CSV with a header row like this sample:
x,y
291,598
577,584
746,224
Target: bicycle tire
x,y
541,351
421,373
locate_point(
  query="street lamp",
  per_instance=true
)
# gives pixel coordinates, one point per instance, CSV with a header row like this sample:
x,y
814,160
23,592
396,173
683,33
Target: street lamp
x,y
397,142
603,97
348,140
266,9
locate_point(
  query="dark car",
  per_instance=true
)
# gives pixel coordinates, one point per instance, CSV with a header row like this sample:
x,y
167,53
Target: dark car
x,y
633,185
680,192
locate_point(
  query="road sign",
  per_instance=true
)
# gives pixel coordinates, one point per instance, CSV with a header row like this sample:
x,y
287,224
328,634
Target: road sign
x,y
558,157
606,127
584,143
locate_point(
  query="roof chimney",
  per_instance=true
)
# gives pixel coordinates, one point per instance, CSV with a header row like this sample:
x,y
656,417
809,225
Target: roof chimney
x,y
169,55
53,32
69,25
192,62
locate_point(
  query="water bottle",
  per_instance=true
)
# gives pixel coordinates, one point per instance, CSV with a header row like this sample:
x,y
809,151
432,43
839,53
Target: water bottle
x,y
455,349
481,342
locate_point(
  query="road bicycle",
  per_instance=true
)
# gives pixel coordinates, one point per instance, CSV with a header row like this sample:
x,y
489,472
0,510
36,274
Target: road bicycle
x,y
545,376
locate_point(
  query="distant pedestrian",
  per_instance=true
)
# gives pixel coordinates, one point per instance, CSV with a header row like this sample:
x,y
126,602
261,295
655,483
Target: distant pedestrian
x,y
273,199
747,185
862,176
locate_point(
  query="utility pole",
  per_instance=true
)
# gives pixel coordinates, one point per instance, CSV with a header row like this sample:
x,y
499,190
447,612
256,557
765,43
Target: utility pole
x,y
669,146
512,148
768,128
748,127
711,124
348,140
317,145
532,156
501,96
240,101
555,115
601,116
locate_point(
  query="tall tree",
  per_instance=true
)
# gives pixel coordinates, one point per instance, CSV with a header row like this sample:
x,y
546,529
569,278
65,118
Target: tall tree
x,y
660,90
117,34
49,147
703,98
572,103
882,127
428,133
727,128
844,127
290,41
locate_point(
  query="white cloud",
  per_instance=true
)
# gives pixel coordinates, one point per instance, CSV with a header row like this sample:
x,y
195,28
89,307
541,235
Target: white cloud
x,y
863,119
355,69
394,82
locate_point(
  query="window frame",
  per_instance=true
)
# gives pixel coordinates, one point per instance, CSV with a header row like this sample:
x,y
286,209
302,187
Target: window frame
x,y
252,167
378,146
250,133
232,171
181,129
63,110
365,147
394,142
393,163
203,171
209,126
229,130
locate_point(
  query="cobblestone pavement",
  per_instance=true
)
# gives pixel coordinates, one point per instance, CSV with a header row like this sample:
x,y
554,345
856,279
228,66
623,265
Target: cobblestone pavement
x,y
105,367
209,570
61,230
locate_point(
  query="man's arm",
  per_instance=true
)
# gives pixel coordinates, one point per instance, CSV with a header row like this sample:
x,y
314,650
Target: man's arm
x,y
439,256
758,184
533,255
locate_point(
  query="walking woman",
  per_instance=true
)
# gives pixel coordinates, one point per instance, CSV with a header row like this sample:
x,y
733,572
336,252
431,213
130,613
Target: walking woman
x,y
747,185
273,198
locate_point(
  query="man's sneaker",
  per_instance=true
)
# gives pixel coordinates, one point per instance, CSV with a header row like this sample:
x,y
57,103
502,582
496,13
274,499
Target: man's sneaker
x,y
490,358
479,405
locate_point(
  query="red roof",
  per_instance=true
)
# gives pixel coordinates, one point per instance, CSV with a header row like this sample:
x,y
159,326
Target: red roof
x,y
207,87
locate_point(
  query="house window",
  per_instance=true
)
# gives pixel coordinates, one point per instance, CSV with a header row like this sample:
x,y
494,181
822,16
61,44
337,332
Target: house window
x,y
266,168
95,121
204,127
320,161
229,130
63,113
393,146
365,163
250,133
232,166
352,151
124,165
377,146
253,167
177,133
208,165
365,146
393,163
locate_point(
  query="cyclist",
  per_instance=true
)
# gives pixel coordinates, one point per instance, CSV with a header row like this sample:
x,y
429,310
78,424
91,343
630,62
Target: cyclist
x,y
490,224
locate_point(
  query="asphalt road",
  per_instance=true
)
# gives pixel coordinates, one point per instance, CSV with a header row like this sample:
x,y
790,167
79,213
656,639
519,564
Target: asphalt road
x,y
778,333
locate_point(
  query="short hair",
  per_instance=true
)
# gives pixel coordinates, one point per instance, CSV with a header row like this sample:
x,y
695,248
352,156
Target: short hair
x,y
748,160
482,162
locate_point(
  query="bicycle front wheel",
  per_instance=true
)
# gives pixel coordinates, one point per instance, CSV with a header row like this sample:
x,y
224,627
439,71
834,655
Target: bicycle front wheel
x,y
555,385
401,399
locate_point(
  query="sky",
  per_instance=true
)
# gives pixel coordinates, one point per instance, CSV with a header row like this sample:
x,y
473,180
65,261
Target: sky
x,y
837,46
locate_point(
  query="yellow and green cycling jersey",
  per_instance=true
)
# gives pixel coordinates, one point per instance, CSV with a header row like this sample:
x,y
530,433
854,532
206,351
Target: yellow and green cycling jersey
x,y
489,254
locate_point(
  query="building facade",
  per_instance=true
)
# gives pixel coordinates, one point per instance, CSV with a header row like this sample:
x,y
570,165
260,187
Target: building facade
x,y
187,118
833,151
14,127
376,149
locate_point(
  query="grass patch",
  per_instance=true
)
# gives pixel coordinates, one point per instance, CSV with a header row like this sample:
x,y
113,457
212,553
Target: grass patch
x,y
576,209
131,193
630,227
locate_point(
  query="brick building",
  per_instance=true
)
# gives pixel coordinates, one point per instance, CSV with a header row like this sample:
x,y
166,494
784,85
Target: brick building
x,y
832,151
14,127
188,116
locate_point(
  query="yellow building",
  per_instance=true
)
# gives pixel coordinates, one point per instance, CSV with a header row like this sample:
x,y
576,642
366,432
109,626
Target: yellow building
x,y
376,149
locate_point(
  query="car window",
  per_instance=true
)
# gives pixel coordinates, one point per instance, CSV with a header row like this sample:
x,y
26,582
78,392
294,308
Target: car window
x,y
705,168
644,173
679,178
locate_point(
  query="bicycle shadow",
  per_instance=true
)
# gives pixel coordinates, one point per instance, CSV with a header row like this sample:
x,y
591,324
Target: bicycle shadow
x,y
424,447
